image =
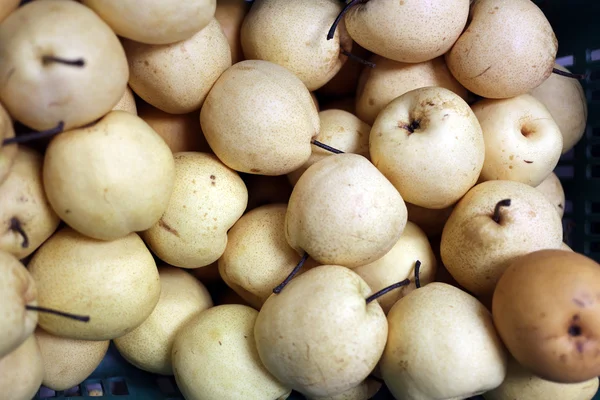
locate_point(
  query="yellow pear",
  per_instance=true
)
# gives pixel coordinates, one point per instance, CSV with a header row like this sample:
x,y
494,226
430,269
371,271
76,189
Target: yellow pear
x,y
59,62
7,7
268,137
399,264
343,211
154,21
407,31
340,130
364,391
564,246
319,336
17,290
425,138
520,383
441,345
127,103
494,223
115,283
429,220
522,141
565,99
257,257
176,77
378,86
8,152
22,371
507,49
263,190
303,46
208,198
554,192
68,362
231,14
25,213
224,363
149,346
109,179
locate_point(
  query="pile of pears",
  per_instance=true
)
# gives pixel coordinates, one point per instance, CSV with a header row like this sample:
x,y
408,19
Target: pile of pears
x,y
321,197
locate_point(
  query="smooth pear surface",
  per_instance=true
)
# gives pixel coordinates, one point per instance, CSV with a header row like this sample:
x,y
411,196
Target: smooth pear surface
x,y
8,153
7,7
554,192
127,102
22,371
231,14
364,391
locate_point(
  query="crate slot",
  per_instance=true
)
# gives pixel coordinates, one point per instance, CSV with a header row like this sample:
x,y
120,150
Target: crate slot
x,y
94,389
595,93
594,207
568,206
118,387
594,55
594,150
167,386
594,247
566,61
565,171
46,393
593,171
73,392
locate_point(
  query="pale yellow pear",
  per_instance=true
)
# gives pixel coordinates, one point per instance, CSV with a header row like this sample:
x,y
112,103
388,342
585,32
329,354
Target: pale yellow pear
x,y
390,79
257,257
208,198
24,206
127,102
507,49
177,77
17,290
268,137
342,131
109,179
154,21
115,283
8,153
522,141
7,7
564,246
441,345
364,391
149,346
554,192
59,62
22,371
319,336
399,264
68,362
231,14
224,363
565,99
343,211
422,140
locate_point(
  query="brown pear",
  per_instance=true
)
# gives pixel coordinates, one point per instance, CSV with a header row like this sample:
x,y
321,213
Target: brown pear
x,y
230,14
8,152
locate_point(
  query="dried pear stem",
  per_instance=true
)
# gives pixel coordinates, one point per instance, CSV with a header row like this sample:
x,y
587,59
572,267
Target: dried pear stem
x,y
568,74
79,62
326,147
28,137
386,290
15,226
418,274
294,272
335,24
499,205
59,313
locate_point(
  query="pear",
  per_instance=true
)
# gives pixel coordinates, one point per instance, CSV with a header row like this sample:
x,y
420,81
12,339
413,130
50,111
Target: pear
x,y
315,100
263,190
364,391
522,141
230,14
319,336
520,383
17,290
208,198
257,257
496,222
8,152
149,346
378,86
428,135
441,345
156,21
177,77
22,371
303,46
268,137
521,57
429,220
59,62
343,211
116,283
547,312
224,363
407,31
554,192
109,179
181,132
565,99
127,103
340,130
399,264
7,7
68,362
25,213
564,246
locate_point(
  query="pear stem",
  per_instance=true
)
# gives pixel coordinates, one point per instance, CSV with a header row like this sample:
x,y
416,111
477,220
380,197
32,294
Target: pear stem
x,y
358,59
326,147
568,74
386,290
331,32
417,274
59,313
499,205
28,137
15,226
294,272
73,63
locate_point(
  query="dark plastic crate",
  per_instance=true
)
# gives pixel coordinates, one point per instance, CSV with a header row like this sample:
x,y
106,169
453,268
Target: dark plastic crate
x,y
577,26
